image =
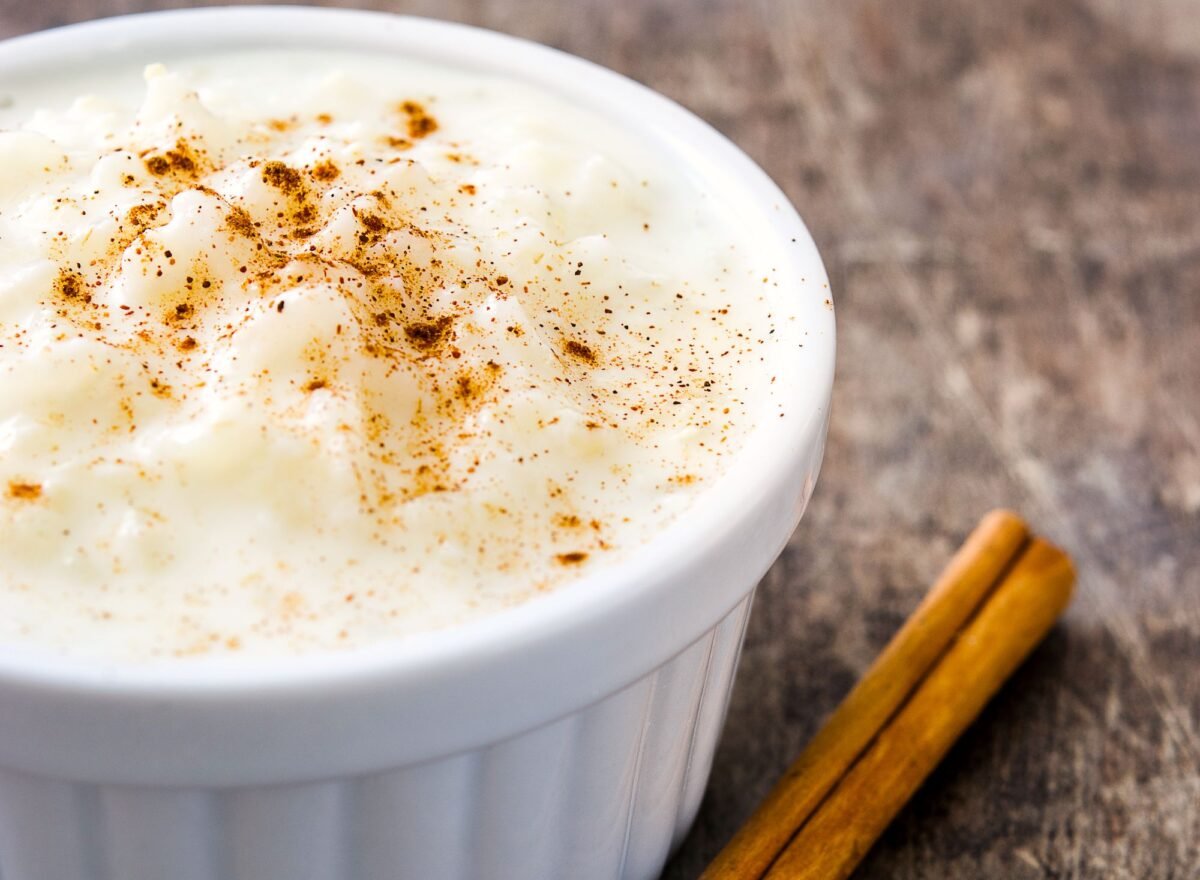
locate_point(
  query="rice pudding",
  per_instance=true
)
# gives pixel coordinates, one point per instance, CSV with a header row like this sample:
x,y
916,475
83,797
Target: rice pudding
x,y
307,350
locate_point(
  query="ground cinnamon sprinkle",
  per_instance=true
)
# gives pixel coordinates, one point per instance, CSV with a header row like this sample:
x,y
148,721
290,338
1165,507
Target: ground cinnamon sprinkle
x,y
158,165
140,216
373,222
580,352
420,123
282,177
240,222
325,171
305,214
465,387
160,389
70,286
575,557
23,491
180,161
428,335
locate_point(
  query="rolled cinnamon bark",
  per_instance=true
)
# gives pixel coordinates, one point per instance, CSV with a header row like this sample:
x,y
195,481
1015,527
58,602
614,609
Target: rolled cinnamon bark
x,y
995,601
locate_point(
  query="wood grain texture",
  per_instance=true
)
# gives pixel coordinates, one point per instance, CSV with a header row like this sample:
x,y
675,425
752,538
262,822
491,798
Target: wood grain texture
x,y
1007,196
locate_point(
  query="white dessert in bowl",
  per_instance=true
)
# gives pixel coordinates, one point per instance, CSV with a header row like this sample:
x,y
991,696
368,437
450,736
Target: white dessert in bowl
x,y
304,350
551,335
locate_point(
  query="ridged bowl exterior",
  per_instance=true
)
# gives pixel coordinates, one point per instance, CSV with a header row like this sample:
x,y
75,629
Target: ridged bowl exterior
x,y
602,794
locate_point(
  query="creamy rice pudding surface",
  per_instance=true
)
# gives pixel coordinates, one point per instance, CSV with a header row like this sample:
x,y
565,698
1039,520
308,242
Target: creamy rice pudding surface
x,y
301,351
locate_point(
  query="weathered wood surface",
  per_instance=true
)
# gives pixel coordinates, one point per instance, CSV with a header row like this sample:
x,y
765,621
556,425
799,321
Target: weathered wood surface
x,y
1007,196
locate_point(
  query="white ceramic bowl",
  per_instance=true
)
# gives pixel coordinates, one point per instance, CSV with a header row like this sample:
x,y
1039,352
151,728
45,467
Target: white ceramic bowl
x,y
570,737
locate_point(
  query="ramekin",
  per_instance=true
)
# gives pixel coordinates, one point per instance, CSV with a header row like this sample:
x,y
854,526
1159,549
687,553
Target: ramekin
x,y
570,737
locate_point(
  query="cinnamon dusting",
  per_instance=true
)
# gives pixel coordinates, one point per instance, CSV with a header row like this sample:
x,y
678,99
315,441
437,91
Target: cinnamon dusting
x,y
581,352
325,171
426,336
23,491
181,161
69,285
420,123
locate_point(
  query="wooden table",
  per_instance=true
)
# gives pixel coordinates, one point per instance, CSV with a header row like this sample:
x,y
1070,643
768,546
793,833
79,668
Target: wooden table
x,y
1007,196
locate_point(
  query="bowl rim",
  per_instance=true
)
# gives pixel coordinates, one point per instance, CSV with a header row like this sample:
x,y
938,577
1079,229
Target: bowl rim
x,y
573,608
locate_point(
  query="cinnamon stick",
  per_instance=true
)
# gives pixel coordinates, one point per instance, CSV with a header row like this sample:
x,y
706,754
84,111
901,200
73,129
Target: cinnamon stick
x,y
994,602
